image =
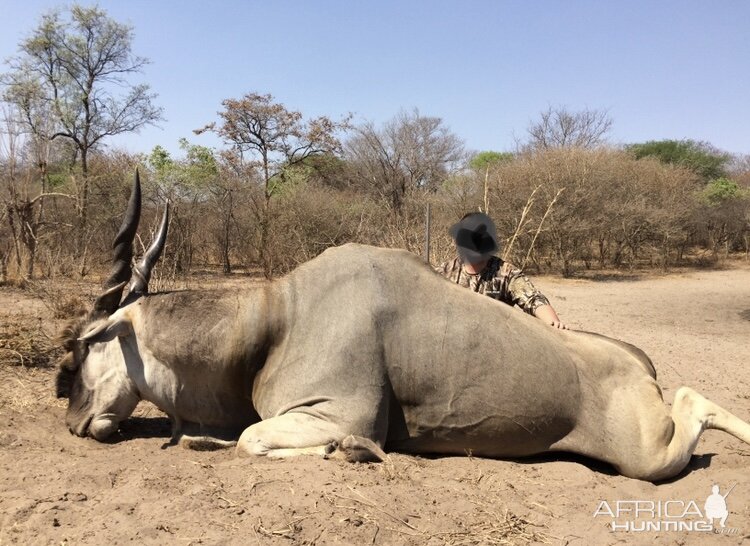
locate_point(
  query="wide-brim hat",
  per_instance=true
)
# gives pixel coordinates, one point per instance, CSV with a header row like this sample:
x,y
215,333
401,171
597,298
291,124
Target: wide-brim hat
x,y
475,237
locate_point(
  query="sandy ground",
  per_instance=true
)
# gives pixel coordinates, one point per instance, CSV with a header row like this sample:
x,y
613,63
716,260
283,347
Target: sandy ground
x,y
59,489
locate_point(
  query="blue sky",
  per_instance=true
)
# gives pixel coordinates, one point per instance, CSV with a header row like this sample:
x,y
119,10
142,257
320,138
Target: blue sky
x,y
663,69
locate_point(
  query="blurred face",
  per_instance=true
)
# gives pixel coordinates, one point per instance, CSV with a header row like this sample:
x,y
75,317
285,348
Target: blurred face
x,y
472,259
475,246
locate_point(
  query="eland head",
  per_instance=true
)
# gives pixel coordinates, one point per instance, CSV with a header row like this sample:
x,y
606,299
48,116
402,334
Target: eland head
x,y
93,374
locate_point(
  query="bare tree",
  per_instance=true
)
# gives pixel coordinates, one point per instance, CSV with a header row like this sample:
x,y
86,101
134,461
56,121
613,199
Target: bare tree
x,y
561,128
264,136
23,196
411,151
74,68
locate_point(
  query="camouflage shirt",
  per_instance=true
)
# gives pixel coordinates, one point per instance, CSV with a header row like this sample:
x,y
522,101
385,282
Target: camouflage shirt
x,y
499,280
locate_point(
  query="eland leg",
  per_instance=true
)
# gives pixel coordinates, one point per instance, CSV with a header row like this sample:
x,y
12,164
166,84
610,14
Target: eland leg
x,y
691,415
293,434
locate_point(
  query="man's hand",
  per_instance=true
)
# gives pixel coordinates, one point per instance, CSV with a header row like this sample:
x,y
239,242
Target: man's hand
x,y
549,316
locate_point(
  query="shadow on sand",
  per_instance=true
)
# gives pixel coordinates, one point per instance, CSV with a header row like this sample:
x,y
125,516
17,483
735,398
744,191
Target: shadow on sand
x,y
143,427
161,427
697,462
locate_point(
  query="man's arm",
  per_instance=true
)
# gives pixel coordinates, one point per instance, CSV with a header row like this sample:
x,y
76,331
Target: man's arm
x,y
548,314
530,299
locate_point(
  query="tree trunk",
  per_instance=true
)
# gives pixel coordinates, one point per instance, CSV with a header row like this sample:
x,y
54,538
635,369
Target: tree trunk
x,y
226,265
4,258
265,255
16,237
83,211
266,259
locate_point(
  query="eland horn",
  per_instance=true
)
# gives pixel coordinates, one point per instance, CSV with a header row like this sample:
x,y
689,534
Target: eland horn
x,y
142,271
109,300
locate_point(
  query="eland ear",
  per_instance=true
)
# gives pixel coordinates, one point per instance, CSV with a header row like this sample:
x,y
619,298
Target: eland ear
x,y
107,330
68,362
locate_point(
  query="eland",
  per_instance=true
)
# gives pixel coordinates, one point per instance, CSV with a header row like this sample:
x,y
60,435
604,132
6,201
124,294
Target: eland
x,y
364,350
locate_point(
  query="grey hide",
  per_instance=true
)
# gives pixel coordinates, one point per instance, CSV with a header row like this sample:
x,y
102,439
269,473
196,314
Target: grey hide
x,y
370,343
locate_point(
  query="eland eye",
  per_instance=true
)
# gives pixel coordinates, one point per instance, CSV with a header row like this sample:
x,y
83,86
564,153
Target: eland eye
x,y
64,382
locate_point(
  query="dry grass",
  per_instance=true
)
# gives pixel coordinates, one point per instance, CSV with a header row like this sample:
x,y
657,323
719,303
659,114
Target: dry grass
x,y
27,390
14,282
497,526
65,301
25,343
491,523
31,319
400,467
